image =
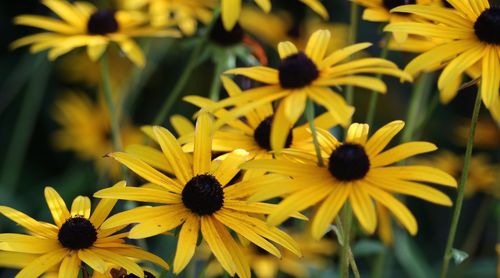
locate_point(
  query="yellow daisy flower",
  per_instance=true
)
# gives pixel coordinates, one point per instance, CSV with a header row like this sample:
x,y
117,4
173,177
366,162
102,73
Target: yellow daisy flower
x,y
77,237
309,74
357,171
315,256
252,131
85,130
81,24
183,13
231,9
199,199
471,31
379,10
483,176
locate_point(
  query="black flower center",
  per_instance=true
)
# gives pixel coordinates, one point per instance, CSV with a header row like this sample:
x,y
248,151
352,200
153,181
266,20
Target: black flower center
x,y
297,71
349,162
221,36
487,26
77,233
203,194
262,134
391,4
102,23
147,274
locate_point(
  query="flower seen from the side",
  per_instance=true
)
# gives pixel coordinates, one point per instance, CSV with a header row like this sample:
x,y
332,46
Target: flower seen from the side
x,y
379,10
470,31
357,171
81,24
310,74
76,238
201,198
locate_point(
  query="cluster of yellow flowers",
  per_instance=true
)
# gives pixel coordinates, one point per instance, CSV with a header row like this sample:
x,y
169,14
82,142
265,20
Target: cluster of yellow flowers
x,y
219,180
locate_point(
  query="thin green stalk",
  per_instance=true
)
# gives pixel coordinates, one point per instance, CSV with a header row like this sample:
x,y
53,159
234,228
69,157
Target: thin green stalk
x,y
310,118
380,261
216,83
418,95
18,146
346,256
461,187
350,255
186,73
372,105
108,97
351,39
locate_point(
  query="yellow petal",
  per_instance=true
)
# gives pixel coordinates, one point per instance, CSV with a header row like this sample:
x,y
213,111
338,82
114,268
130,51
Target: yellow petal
x,y
230,12
81,207
27,244
186,244
57,206
416,173
259,73
317,45
139,194
286,49
70,266
104,207
41,264
490,81
230,166
363,208
119,260
382,137
37,228
401,152
357,133
217,244
328,209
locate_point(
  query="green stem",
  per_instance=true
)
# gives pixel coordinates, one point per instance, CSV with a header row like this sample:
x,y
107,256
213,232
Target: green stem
x,y
23,129
346,238
372,106
108,97
186,73
419,94
351,39
380,260
461,187
214,93
310,118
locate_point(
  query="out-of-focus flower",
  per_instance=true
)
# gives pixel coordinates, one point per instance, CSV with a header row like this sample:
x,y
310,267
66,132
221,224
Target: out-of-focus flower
x,y
282,26
199,199
356,171
82,24
85,130
469,31
184,13
77,237
487,134
379,10
483,175
309,75
231,10
315,255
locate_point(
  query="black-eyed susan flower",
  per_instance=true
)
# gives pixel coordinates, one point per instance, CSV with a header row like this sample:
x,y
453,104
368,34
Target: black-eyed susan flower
x,y
199,199
483,175
470,29
309,74
76,239
85,130
252,131
379,10
356,171
82,24
315,255
183,13
231,9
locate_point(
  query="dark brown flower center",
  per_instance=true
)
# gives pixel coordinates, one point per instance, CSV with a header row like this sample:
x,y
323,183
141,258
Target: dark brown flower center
x,y
203,194
102,23
262,134
391,4
226,38
297,71
349,162
77,233
487,26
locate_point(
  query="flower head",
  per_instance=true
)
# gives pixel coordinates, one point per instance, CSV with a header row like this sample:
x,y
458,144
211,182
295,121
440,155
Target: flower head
x,y
470,38
380,10
356,171
77,237
309,74
202,198
82,24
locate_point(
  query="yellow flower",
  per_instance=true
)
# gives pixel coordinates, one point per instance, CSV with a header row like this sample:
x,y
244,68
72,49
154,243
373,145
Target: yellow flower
x,y
183,13
309,74
252,131
487,133
356,171
472,38
231,9
315,256
81,24
199,199
483,176
379,10
85,130
282,27
76,237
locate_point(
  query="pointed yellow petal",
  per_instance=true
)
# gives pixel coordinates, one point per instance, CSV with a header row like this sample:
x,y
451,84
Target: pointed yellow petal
x,y
56,205
286,49
401,152
186,244
35,227
104,207
342,54
328,209
41,264
262,74
217,244
70,266
202,155
230,12
382,137
119,260
415,173
139,194
27,244
363,208
317,45
137,253
230,166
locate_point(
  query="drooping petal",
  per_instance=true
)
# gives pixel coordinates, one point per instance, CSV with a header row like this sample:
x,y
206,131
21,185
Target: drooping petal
x,y
328,210
70,266
41,264
217,244
186,244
